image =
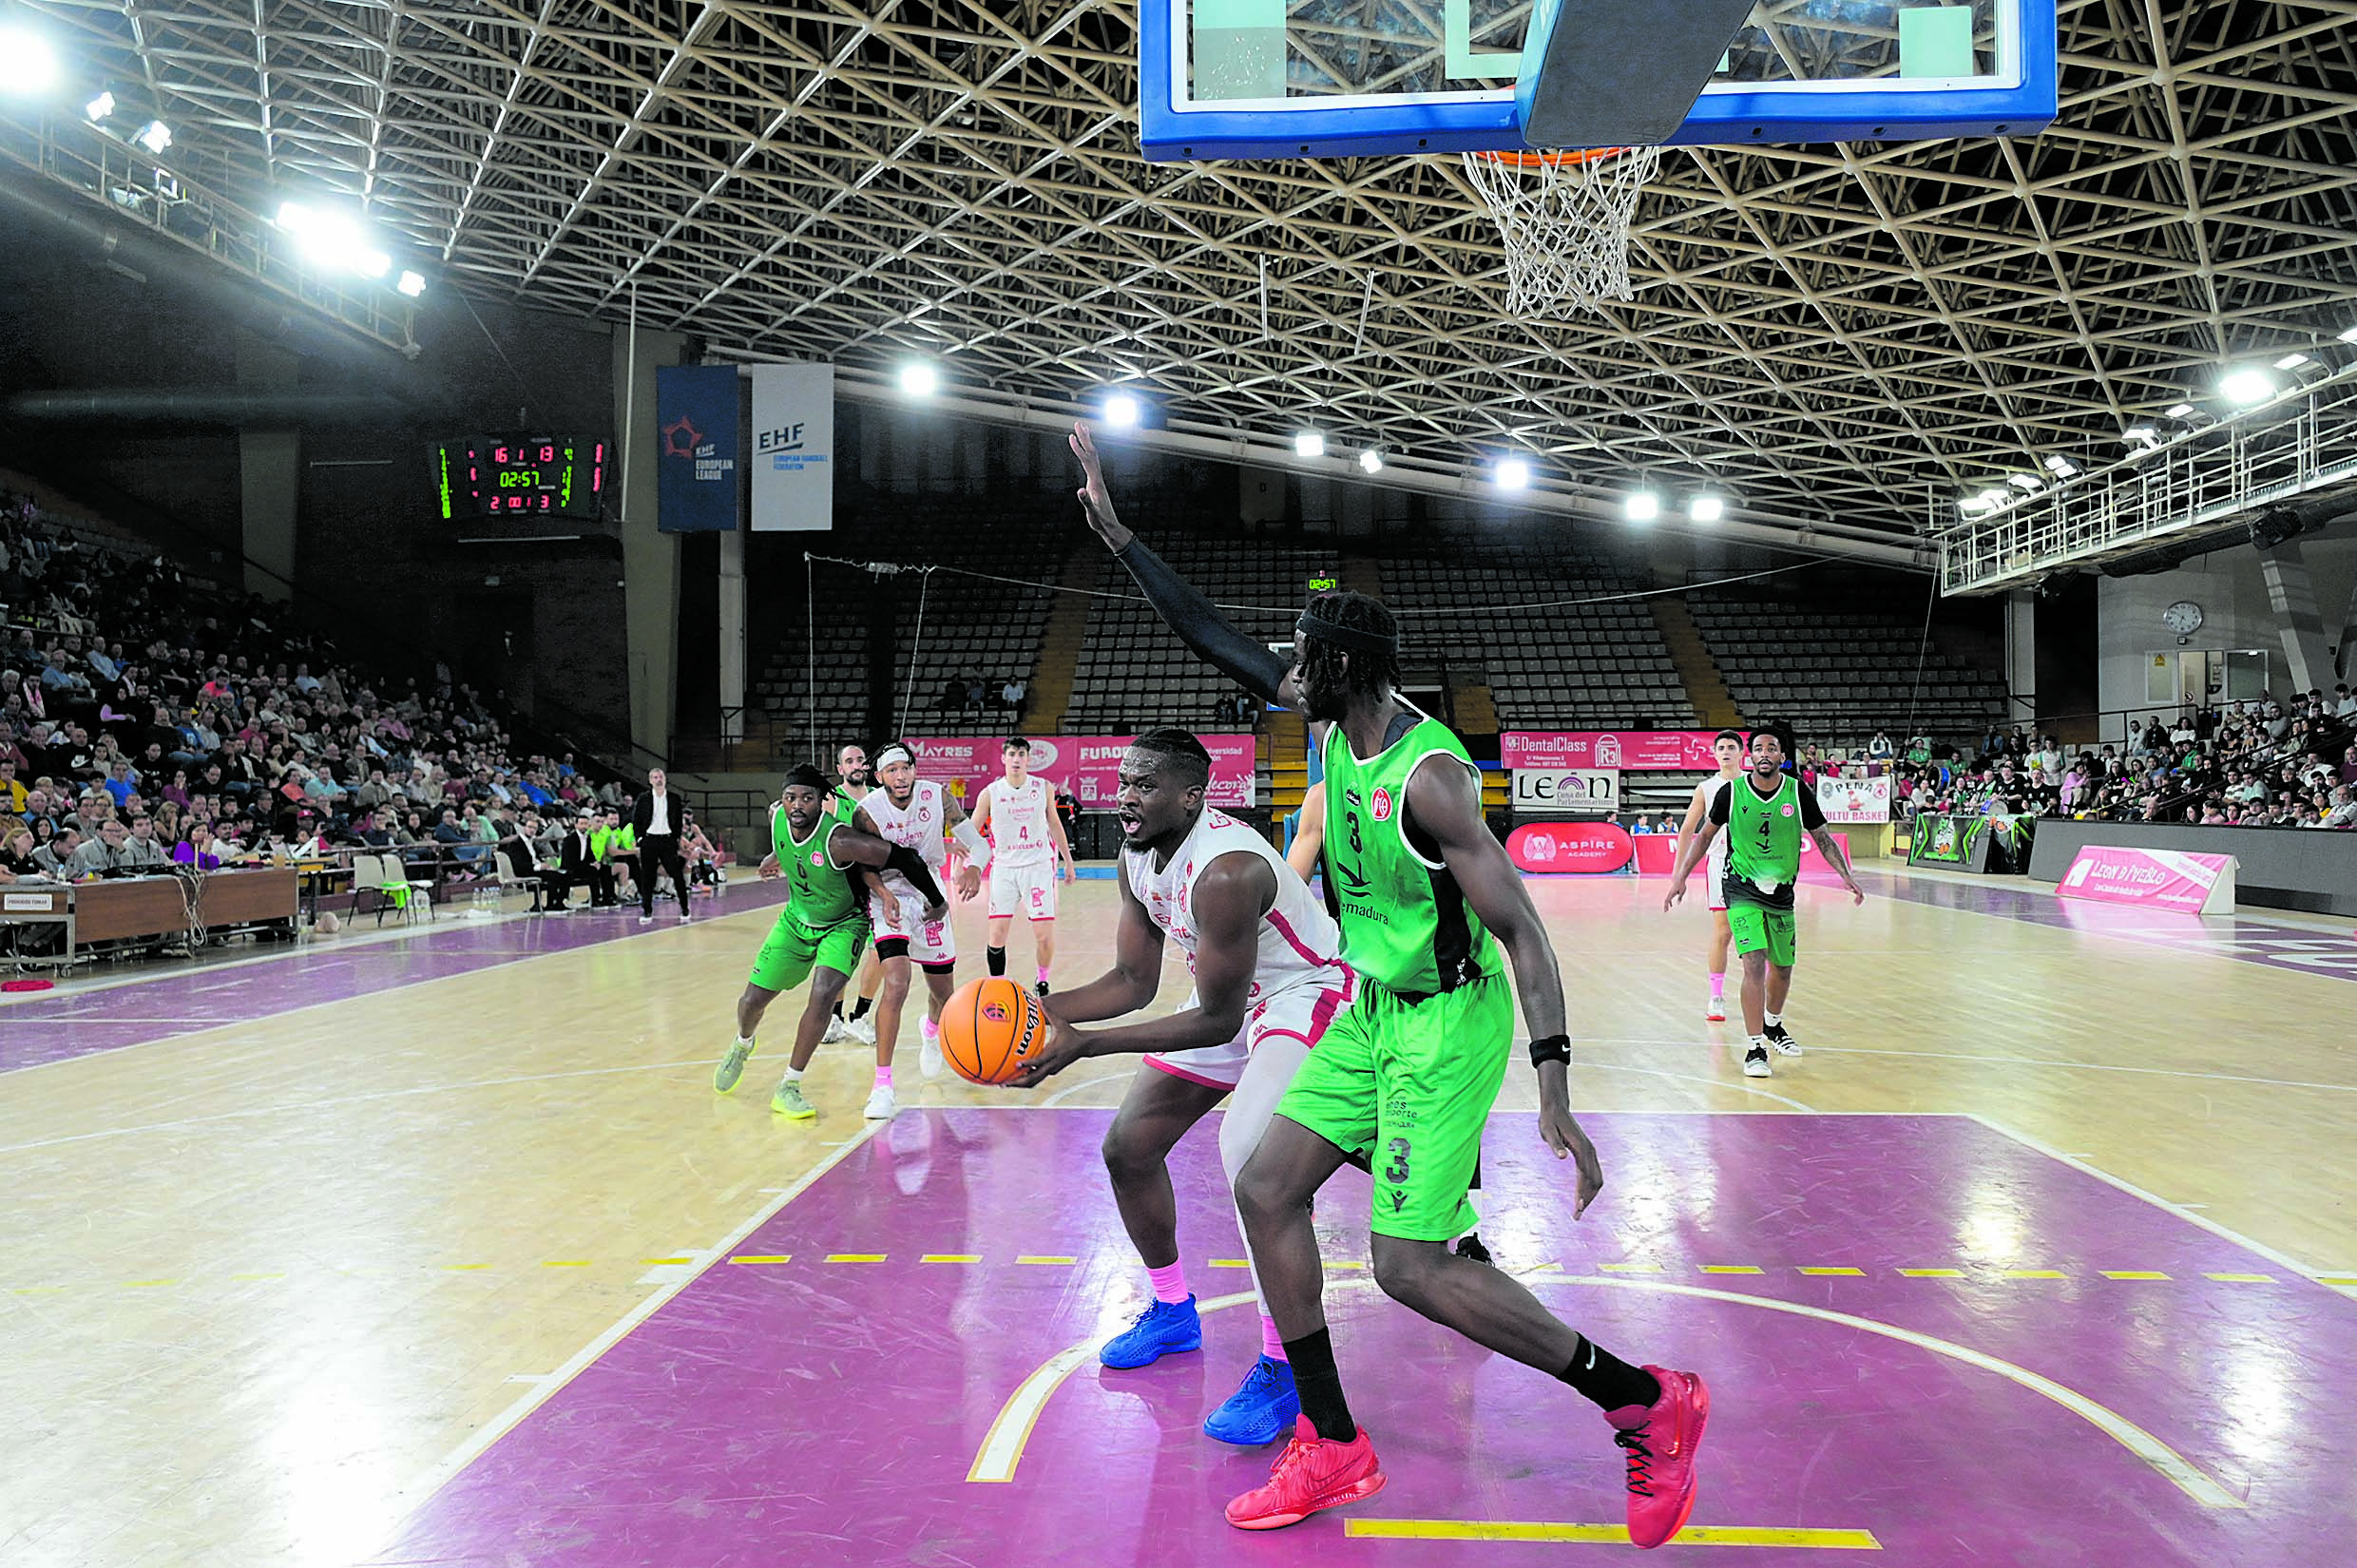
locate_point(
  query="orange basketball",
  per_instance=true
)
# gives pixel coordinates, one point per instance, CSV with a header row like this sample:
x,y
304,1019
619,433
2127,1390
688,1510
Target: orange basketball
x,y
990,1029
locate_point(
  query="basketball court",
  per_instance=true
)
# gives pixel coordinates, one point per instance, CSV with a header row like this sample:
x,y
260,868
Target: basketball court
x,y
442,1250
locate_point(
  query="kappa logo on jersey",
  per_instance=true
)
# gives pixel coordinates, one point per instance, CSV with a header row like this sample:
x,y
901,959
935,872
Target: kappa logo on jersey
x,y
1382,805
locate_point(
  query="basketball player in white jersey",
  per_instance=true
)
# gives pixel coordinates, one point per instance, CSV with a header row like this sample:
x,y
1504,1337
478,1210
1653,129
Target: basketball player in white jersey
x,y
1728,749
1268,980
921,815
1029,854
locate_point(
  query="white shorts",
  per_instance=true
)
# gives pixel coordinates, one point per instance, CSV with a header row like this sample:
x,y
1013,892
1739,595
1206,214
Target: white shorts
x,y
1026,890
930,942
1714,876
1299,1012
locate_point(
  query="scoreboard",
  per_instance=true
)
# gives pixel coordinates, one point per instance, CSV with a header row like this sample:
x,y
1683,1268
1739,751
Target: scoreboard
x,y
519,476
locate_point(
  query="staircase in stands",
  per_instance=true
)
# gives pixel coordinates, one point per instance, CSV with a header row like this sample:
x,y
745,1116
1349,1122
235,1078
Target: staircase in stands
x,y
1713,705
1058,660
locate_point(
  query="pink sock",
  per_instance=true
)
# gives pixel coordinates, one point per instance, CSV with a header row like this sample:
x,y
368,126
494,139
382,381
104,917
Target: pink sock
x,y
1719,983
932,1030
1043,974
1169,1284
883,1077
1271,1345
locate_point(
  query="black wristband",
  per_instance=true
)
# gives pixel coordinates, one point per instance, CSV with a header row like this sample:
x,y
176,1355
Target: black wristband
x,y
1553,1049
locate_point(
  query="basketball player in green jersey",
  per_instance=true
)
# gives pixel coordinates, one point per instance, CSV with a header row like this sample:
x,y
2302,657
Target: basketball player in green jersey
x,y
1763,814
1406,1075
819,933
854,779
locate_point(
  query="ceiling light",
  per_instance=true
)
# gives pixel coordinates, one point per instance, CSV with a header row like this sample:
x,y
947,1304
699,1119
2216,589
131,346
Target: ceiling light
x,y
26,62
1120,412
2060,466
1371,461
2176,410
1707,509
2140,433
410,284
1975,502
1309,444
2247,386
918,379
154,136
1512,474
2292,362
1994,497
2348,334
1641,507
2025,481
100,107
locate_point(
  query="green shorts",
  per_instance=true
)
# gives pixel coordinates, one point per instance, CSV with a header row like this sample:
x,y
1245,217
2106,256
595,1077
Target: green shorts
x,y
794,949
1409,1087
1759,929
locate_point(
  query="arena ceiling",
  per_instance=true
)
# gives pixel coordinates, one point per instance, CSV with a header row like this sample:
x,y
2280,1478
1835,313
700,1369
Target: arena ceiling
x,y
1856,334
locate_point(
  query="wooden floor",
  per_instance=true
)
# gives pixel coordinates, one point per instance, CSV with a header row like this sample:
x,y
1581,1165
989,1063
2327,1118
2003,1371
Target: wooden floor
x,y
267,1283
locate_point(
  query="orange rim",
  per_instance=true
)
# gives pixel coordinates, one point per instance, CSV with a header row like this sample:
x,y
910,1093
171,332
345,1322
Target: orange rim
x,y
1567,158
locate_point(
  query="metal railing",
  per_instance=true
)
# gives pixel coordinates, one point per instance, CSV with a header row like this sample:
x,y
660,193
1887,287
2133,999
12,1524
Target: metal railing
x,y
2203,478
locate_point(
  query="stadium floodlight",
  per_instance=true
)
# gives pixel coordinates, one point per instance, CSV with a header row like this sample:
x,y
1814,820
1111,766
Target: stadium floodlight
x,y
2177,411
1120,412
919,379
1309,444
2060,466
410,284
2348,334
1995,497
332,241
27,64
1641,506
2025,481
154,136
98,108
1513,474
1976,504
1371,461
2291,361
1707,509
2247,386
2140,435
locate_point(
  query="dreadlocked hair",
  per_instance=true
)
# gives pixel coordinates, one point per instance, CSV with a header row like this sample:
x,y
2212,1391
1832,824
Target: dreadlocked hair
x,y
1370,674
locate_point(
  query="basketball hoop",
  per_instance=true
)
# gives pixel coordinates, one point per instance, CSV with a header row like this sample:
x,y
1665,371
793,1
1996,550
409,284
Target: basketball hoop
x,y
1565,219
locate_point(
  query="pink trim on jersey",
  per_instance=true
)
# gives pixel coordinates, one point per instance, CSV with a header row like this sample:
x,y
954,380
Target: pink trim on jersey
x,y
1329,1002
1295,943
1157,1061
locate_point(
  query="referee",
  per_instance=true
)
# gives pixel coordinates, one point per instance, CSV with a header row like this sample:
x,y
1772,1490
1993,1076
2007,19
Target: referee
x,y
654,821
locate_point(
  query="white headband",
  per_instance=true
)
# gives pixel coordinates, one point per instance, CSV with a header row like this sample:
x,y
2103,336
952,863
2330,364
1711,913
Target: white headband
x,y
884,757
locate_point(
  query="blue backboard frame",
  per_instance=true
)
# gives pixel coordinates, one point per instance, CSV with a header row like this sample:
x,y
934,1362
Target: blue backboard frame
x,y
1170,131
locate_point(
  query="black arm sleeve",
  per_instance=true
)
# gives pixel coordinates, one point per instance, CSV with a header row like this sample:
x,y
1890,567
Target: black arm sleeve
x,y
1201,627
912,864
1811,814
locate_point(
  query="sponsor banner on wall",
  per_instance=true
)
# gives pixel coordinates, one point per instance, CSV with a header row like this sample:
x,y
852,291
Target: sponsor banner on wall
x,y
1854,799
792,447
1589,791
695,448
1570,849
1089,766
2164,879
1656,855
1646,750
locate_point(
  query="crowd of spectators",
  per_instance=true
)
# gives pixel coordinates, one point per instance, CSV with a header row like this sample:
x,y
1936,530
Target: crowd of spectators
x,y
2253,764
146,718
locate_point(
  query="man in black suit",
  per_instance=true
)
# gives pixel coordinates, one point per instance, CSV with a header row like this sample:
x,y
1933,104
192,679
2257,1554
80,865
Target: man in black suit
x,y
577,867
654,821
519,842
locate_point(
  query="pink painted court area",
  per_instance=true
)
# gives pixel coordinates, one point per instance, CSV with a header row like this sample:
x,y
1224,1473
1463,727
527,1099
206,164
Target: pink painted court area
x,y
1923,1337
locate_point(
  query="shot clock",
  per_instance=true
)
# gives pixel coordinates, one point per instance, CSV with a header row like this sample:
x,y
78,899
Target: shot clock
x,y
519,476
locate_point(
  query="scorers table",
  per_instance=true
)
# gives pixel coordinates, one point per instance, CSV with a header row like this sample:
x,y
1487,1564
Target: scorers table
x,y
126,908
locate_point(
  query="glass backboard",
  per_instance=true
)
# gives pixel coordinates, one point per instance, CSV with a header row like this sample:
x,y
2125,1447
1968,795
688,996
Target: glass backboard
x,y
1333,78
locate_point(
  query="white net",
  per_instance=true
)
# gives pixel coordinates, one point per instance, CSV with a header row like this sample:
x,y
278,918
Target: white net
x,y
1564,218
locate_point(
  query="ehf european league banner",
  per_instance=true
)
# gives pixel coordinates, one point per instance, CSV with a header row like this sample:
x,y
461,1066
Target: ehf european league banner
x,y
695,466
792,447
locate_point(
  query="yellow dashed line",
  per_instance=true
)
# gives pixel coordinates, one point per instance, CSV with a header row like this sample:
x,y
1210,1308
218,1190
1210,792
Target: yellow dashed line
x,y
1731,1268
1933,1273
2035,1274
855,1257
1231,1263
257,1276
463,1268
37,1290
1346,1263
666,1260
1546,1269
1048,1260
950,1257
2242,1279
564,1263
139,1284
1833,1271
762,1257
2336,1279
2132,1273
1630,1268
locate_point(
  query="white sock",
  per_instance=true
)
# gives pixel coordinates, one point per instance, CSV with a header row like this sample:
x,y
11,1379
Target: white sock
x,y
1759,1043
794,1075
744,1039
1775,1021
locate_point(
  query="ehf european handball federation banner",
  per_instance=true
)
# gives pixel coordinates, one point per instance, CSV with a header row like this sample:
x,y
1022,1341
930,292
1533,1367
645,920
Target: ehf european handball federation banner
x,y
1089,766
792,447
695,452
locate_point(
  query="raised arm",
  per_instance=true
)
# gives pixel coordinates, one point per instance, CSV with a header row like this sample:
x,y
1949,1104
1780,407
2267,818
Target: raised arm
x,y
1309,837
1445,800
1196,620
848,845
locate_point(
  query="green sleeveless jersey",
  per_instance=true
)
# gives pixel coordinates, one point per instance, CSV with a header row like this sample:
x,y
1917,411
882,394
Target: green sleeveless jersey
x,y
822,890
1405,923
1763,842
841,805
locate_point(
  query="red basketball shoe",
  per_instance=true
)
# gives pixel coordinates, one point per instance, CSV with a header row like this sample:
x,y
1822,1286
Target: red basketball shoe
x,y
1661,1442
1311,1474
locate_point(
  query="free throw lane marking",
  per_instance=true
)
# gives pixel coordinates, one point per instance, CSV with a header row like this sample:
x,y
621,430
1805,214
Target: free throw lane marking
x,y
1694,1535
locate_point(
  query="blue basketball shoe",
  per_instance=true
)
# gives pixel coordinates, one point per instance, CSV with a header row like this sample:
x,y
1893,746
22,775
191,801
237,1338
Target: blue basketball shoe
x,y
1163,1327
1261,1411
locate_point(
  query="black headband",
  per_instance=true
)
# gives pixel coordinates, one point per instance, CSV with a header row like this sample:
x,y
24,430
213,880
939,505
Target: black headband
x,y
807,776
1352,638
